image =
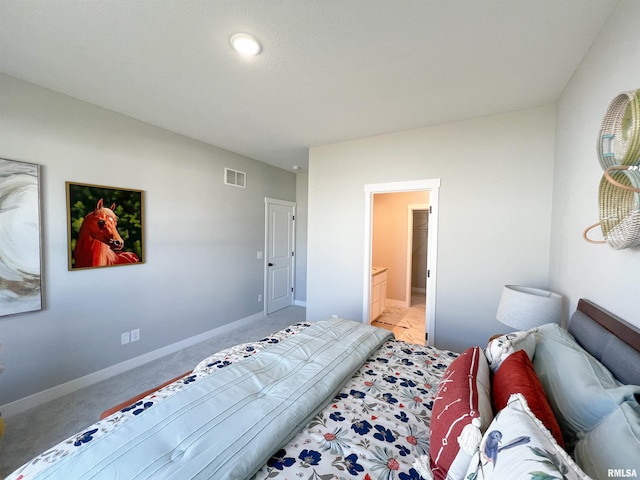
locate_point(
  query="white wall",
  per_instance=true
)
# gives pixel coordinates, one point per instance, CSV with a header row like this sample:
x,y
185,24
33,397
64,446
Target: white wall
x,y
201,270
300,289
606,276
494,224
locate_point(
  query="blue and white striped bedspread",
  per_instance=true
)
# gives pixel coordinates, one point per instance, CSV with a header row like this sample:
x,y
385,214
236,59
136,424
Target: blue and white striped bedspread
x,y
226,426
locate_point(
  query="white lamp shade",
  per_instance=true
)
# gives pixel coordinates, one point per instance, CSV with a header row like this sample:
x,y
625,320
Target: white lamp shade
x,y
525,307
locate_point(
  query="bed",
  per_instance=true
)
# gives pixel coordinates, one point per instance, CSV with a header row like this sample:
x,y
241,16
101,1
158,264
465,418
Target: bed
x,y
340,400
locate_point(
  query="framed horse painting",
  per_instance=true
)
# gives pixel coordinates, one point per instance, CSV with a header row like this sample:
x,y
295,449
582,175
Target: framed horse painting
x,y
105,226
20,252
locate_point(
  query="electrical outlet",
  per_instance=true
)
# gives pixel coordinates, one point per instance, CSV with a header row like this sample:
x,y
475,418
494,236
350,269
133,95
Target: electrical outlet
x,y
125,338
259,255
259,297
135,335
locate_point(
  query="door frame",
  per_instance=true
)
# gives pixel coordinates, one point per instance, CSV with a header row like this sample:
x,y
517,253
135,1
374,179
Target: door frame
x,y
433,186
270,201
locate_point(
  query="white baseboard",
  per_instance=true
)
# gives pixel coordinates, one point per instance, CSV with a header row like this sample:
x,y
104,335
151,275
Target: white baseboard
x,y
300,303
23,404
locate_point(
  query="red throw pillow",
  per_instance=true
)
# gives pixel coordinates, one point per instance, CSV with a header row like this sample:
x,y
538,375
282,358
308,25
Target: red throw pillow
x,y
462,396
516,375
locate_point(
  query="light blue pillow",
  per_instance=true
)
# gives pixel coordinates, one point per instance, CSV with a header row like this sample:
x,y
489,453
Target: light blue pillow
x,y
612,445
580,390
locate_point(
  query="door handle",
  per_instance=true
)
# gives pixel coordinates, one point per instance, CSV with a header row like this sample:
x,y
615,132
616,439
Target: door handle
x,y
270,264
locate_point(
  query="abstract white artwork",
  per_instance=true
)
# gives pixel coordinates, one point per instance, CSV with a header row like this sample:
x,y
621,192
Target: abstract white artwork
x,y
20,266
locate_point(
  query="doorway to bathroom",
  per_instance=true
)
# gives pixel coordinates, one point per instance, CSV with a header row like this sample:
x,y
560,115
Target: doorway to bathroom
x,y
400,258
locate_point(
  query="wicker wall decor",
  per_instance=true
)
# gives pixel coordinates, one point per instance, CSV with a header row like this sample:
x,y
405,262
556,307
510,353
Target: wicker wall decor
x,y
619,155
619,138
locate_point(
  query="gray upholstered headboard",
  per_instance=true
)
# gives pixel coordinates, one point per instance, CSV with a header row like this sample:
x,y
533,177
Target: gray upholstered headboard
x,y
614,342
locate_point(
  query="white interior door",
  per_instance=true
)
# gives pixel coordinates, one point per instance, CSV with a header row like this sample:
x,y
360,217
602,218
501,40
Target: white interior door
x,y
280,216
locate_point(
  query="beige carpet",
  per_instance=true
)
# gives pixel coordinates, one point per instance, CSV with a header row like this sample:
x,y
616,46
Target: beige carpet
x,y
32,432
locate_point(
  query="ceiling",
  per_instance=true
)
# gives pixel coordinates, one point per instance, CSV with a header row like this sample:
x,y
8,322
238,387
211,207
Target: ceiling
x,y
330,70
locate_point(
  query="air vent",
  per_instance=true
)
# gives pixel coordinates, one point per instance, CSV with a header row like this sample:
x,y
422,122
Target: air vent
x,y
235,178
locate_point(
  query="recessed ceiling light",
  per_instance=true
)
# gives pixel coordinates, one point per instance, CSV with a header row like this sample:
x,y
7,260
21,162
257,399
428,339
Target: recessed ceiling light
x,y
245,44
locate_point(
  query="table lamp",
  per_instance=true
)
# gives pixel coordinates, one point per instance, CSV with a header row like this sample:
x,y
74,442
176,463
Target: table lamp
x,y
523,308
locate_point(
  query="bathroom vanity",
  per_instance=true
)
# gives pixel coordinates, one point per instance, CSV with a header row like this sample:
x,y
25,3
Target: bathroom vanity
x,y
378,292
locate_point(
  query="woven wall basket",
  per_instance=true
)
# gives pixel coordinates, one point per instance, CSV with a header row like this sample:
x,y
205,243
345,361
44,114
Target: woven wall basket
x,y
619,138
619,199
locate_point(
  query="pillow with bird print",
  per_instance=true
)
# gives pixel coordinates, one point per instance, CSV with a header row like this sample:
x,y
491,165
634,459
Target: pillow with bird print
x,y
518,445
501,347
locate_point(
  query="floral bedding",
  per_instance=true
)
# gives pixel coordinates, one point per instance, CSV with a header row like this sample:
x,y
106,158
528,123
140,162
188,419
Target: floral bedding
x,y
375,427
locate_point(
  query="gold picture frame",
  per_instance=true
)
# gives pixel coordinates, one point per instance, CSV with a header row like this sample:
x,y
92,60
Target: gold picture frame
x,y
105,226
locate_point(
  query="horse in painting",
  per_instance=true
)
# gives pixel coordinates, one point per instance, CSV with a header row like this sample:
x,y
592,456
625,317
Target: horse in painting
x,y
99,242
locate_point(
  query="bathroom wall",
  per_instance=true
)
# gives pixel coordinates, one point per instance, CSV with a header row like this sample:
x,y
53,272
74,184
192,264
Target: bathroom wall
x,y
390,237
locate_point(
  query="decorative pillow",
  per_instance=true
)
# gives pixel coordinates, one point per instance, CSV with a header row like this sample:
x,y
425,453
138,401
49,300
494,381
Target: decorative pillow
x,y
517,445
612,445
501,347
516,375
462,398
580,390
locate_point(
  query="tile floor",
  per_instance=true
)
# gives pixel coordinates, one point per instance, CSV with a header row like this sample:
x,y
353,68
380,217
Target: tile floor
x,y
406,323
